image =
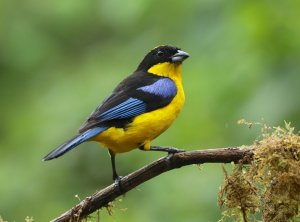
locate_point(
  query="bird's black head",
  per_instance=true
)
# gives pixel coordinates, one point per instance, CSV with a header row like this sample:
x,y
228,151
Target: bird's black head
x,y
162,54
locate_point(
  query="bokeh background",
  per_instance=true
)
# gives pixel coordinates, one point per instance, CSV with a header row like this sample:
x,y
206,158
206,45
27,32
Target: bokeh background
x,y
59,59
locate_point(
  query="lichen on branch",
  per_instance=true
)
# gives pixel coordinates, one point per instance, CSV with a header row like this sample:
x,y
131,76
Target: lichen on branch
x,y
270,185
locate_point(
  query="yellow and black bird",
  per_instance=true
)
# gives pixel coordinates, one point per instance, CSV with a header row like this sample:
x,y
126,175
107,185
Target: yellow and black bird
x,y
139,109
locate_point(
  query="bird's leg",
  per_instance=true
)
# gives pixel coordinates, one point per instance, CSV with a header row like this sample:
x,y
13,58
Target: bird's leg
x,y
116,177
113,164
169,150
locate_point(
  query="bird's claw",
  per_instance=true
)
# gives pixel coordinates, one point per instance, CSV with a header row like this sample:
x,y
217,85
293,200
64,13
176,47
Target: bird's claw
x,y
118,183
174,150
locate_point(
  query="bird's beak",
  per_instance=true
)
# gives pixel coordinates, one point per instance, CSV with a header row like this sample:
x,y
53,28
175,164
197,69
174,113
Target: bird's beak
x,y
179,56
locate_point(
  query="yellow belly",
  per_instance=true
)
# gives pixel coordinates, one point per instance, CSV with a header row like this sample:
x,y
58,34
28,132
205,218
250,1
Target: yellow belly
x,y
142,130
146,127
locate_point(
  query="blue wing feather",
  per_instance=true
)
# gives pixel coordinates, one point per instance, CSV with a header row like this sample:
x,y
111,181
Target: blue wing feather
x,y
129,108
136,95
165,88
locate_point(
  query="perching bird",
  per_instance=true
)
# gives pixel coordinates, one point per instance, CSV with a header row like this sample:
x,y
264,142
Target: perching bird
x,y
139,109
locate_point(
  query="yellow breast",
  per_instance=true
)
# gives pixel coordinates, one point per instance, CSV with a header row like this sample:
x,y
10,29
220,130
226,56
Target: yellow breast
x,y
146,127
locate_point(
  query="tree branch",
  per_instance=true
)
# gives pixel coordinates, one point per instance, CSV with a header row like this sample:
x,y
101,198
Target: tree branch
x,y
103,197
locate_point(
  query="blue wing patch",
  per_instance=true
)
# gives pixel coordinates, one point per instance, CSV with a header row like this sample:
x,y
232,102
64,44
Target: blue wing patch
x,y
127,109
165,88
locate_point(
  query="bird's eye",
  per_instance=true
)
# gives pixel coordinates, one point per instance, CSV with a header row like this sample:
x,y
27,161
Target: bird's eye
x,y
160,53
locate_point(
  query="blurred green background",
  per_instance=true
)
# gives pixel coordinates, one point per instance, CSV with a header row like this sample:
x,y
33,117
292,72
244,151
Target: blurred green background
x,y
59,59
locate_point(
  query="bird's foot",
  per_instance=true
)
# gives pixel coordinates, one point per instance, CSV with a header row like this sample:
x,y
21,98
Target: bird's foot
x,y
168,149
172,150
118,183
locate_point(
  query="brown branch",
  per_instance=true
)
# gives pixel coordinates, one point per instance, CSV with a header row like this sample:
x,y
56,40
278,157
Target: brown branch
x,y
103,197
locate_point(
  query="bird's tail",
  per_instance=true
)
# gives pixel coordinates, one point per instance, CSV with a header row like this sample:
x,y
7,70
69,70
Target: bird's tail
x,y
72,143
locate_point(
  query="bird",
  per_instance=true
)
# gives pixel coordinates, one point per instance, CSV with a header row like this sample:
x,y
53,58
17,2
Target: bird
x,y
139,109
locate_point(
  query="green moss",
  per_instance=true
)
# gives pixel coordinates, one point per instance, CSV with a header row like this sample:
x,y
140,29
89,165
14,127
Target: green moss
x,y
271,184
239,195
